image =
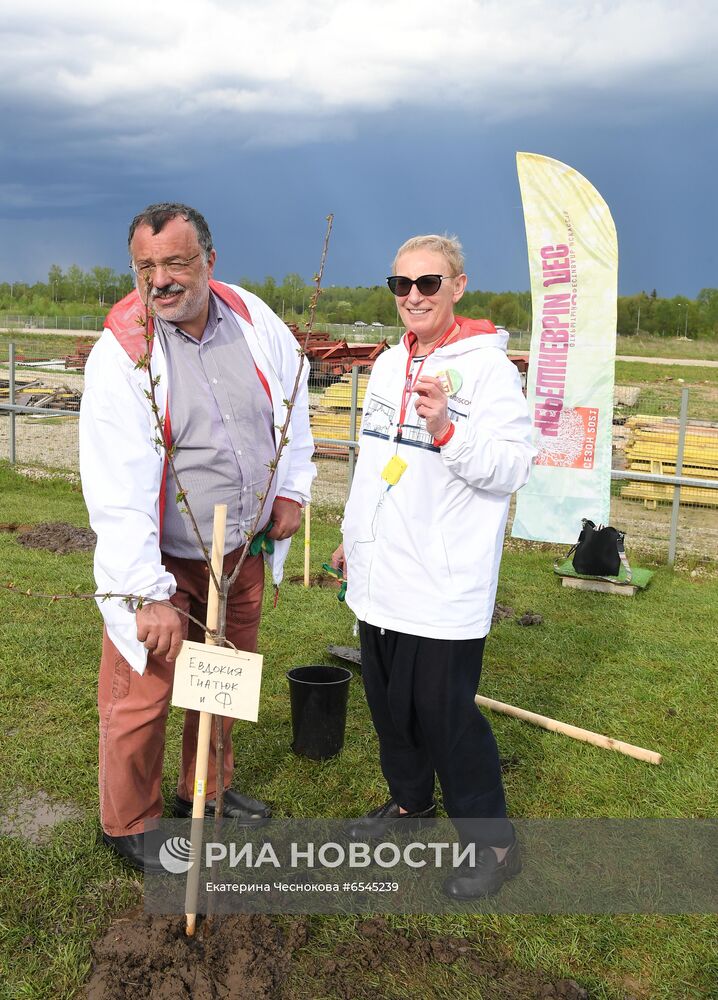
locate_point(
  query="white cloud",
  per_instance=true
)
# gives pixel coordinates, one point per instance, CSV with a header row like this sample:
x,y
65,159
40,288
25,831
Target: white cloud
x,y
150,66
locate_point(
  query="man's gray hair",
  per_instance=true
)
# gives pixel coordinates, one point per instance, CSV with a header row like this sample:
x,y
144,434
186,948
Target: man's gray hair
x,y
157,216
448,246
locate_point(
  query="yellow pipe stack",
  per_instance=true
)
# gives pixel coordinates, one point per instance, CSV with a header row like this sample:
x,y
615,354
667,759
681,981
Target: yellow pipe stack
x,y
331,419
653,447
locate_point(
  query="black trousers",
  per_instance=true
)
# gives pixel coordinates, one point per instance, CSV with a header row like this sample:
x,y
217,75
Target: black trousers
x,y
421,697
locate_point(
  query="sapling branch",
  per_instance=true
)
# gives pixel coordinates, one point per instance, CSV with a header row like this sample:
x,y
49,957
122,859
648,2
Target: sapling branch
x,y
145,362
318,282
138,600
262,498
288,403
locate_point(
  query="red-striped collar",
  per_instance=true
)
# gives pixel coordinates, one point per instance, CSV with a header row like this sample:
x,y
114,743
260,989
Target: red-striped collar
x,y
126,319
467,328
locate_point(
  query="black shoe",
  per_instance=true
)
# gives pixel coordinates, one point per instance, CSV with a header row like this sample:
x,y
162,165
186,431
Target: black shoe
x,y
248,812
131,848
379,821
487,876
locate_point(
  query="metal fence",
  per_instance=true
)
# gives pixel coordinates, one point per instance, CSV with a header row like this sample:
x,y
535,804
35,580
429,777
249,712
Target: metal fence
x,y
665,468
519,340
30,323
664,490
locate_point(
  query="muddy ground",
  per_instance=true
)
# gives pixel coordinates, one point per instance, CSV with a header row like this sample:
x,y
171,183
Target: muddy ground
x,y
260,958
34,815
55,536
268,958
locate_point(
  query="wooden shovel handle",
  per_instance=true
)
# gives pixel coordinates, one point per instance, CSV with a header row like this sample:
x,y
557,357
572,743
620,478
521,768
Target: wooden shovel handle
x,y
607,742
205,726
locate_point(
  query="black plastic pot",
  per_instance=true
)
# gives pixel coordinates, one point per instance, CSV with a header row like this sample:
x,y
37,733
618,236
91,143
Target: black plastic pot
x,y
318,696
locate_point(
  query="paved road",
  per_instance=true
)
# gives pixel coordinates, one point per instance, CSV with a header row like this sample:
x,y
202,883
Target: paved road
x,y
696,363
31,331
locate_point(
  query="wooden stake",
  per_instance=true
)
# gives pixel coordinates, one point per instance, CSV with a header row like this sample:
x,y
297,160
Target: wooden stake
x,y
205,727
307,541
567,730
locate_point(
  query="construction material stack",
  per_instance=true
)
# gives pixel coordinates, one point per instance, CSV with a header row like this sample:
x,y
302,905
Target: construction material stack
x,y
653,447
330,417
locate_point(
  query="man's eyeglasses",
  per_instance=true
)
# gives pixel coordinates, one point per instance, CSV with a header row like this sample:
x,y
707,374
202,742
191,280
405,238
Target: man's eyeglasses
x,y
428,284
173,267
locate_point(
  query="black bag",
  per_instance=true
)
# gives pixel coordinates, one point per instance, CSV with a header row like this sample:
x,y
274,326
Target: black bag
x,y
599,551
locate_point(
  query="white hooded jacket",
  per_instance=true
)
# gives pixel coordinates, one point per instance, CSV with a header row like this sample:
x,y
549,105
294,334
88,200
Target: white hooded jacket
x,y
423,555
122,464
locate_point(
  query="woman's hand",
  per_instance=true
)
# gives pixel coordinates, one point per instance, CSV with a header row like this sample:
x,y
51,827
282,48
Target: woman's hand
x,y
339,562
432,405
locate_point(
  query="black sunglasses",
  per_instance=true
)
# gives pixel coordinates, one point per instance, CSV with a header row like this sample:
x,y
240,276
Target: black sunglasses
x,y
428,284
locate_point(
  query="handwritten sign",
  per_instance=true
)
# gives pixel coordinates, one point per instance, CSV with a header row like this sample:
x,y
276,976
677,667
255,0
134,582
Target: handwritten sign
x,y
219,680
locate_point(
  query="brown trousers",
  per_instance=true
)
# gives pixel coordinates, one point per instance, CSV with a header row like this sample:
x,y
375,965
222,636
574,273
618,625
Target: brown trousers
x,y
133,708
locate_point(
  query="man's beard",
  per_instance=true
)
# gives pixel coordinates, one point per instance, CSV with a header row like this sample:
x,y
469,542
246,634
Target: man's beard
x,y
188,307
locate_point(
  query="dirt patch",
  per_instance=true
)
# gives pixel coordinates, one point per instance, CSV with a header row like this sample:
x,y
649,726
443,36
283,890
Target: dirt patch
x,y
56,536
261,958
317,580
34,815
12,526
530,618
501,611
142,957
382,948
510,762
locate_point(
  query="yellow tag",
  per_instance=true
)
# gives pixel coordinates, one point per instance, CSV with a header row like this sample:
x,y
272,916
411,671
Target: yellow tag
x,y
394,470
199,786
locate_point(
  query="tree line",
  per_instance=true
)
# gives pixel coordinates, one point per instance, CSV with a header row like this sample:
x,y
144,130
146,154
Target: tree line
x,y
75,292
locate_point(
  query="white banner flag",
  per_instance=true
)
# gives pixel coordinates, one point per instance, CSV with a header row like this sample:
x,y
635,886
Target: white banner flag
x,y
573,264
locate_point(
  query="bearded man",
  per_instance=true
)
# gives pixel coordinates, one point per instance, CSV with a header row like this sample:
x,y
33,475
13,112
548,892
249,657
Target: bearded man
x,y
224,367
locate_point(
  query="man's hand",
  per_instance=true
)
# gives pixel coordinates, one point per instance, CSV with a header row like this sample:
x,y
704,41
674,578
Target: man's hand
x,y
286,518
159,629
432,405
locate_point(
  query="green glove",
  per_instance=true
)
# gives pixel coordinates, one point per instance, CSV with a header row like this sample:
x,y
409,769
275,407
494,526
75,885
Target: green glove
x,y
261,543
337,576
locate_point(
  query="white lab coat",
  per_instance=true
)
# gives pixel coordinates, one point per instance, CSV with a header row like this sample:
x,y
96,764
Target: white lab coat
x,y
121,463
423,554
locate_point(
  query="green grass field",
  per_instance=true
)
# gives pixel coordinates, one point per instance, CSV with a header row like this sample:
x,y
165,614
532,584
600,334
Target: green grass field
x,y
42,345
645,347
639,669
667,347
661,387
